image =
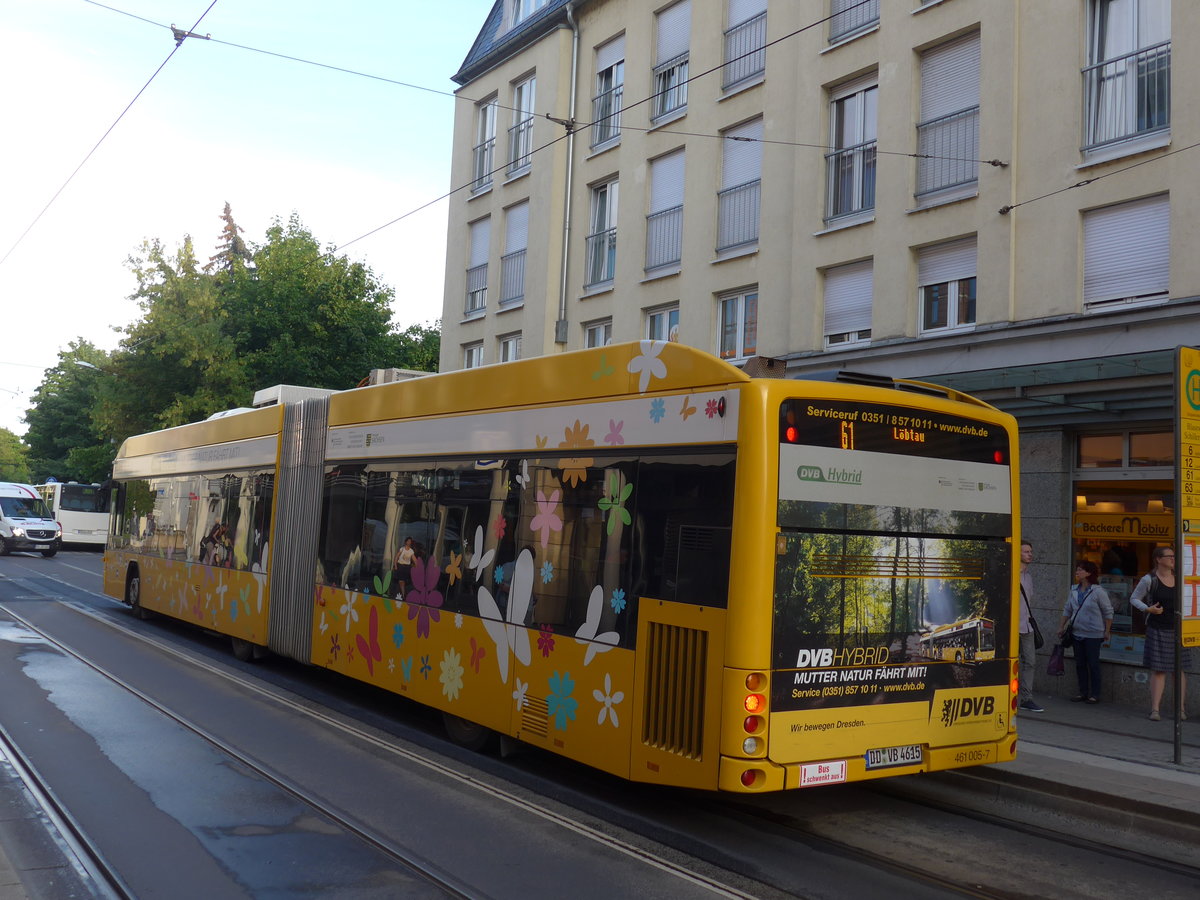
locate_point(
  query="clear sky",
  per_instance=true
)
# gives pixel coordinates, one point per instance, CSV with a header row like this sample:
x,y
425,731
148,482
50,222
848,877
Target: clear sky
x,y
271,136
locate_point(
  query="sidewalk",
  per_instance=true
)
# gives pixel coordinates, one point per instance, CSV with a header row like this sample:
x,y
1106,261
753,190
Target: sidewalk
x,y
1089,758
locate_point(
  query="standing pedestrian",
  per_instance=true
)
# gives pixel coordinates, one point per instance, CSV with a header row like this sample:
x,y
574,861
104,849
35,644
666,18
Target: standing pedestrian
x,y
1026,647
1156,595
1087,616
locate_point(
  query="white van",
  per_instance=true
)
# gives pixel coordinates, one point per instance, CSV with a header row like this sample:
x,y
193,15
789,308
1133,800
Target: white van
x,y
26,522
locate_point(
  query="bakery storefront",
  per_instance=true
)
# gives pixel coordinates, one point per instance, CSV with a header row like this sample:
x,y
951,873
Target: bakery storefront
x,y
1123,485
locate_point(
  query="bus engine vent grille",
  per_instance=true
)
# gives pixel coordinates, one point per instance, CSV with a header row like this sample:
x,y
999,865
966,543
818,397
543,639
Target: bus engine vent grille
x,y
676,664
535,717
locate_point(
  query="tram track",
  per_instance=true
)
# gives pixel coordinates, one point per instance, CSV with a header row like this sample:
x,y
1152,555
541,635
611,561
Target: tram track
x,y
429,872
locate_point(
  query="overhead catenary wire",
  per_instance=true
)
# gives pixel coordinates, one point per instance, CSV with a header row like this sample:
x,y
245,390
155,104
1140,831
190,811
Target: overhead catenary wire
x,y
103,137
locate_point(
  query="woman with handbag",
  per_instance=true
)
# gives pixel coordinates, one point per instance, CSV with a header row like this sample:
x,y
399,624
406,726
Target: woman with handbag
x,y
1155,596
1090,614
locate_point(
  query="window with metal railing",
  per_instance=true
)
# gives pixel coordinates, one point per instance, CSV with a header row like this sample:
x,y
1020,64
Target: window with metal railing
x,y
850,176
606,114
476,289
664,238
1127,96
948,151
484,151
670,87
745,51
738,215
512,277
848,17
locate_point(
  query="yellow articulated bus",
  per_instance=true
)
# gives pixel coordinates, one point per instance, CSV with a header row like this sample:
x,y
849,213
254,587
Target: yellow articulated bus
x,y
636,556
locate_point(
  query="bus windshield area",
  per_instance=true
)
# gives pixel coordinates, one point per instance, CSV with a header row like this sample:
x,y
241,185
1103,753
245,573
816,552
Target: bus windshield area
x,y
82,498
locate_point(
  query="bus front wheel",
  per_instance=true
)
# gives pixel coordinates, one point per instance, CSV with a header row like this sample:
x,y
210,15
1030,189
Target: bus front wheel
x,y
243,650
133,594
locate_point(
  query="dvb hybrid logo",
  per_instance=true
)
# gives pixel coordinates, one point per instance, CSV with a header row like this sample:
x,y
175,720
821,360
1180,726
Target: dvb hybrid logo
x,y
966,708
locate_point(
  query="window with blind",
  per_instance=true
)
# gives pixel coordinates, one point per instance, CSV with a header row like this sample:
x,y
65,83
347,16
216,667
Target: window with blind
x,y
1126,252
848,18
673,37
512,263
948,133
477,266
848,291
745,42
850,168
740,197
610,84
664,223
946,285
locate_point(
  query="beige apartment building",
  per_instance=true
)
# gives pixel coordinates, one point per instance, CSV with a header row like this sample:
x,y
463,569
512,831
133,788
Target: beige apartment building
x,y
996,195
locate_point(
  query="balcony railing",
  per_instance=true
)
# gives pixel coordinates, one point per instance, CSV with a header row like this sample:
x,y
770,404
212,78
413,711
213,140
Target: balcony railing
x,y
1127,96
857,18
664,238
670,86
601,257
738,211
481,163
948,151
512,277
606,113
850,177
476,289
520,145
745,51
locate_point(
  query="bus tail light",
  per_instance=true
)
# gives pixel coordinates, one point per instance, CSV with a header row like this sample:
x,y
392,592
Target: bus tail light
x,y
755,703
751,746
750,777
753,724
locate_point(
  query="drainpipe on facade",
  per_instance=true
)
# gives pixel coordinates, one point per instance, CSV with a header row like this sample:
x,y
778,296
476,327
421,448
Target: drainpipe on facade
x,y
560,326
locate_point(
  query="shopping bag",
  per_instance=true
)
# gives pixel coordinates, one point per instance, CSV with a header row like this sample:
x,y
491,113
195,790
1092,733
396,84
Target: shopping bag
x,y
1055,665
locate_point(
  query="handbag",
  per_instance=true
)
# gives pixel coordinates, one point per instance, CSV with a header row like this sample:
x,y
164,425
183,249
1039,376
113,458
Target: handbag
x,y
1055,665
1068,637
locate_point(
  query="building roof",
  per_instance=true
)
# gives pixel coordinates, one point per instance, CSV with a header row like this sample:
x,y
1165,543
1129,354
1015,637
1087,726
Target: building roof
x,y
493,45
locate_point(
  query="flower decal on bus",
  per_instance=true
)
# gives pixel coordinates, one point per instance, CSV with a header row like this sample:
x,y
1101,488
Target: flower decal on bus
x,y
608,701
452,673
424,600
547,518
574,469
560,704
616,492
648,364
368,647
596,643
658,409
614,435
510,635
479,559
519,694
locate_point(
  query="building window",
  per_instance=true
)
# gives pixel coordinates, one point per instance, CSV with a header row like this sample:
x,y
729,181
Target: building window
x,y
946,285
848,291
477,267
1126,449
597,334
664,224
740,197
1126,252
738,317
484,153
510,347
512,263
671,60
663,324
948,133
610,83
850,168
473,355
745,42
849,17
520,135
602,239
1127,84
523,9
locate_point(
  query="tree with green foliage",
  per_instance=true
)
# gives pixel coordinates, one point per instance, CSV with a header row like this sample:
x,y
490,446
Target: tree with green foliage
x,y
14,458
232,248
63,437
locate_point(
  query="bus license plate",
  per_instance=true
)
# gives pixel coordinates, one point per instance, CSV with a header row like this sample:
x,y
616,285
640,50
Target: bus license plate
x,y
894,756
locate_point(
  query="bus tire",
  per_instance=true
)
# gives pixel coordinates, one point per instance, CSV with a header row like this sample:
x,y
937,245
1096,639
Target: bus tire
x,y
133,594
243,650
466,734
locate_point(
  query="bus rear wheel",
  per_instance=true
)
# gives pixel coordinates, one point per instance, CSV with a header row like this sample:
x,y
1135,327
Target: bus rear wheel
x,y
471,735
243,650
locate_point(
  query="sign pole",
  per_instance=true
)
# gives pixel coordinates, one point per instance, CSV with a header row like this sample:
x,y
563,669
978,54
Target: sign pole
x,y
1187,517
